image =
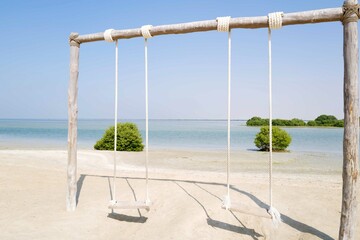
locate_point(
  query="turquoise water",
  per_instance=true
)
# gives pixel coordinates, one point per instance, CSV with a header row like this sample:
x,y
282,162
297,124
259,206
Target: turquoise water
x,y
170,134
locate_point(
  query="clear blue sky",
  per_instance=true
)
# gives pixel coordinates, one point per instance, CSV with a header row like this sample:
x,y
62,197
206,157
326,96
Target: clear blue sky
x,y
187,73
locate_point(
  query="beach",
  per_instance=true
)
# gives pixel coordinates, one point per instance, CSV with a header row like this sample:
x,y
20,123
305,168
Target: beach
x,y
105,103
186,188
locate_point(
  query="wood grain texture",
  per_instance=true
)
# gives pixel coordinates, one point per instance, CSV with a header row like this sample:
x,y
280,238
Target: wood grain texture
x,y
72,128
315,16
351,131
129,205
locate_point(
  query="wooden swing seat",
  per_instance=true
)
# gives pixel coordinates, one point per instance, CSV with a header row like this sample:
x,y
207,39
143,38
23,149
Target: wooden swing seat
x,y
129,205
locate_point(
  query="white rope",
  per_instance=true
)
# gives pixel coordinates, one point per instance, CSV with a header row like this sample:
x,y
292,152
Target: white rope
x,y
229,116
145,31
275,22
270,118
116,115
107,35
146,34
223,26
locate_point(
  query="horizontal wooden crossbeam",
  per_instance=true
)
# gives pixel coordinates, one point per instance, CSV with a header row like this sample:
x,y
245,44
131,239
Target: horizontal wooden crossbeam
x,y
314,16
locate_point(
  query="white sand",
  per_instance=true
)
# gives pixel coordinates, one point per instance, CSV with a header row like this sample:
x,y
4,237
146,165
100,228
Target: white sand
x,y
185,187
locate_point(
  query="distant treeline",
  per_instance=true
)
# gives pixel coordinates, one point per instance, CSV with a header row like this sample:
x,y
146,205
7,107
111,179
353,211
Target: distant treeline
x,y
321,121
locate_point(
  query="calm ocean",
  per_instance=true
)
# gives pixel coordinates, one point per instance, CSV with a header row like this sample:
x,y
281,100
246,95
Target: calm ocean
x,y
163,134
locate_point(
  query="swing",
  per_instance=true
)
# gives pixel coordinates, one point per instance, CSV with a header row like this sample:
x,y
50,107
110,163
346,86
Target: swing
x,y
275,22
115,204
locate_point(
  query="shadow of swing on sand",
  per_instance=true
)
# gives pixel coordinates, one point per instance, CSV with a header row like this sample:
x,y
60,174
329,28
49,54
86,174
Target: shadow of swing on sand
x,y
123,217
302,227
127,218
218,224
113,215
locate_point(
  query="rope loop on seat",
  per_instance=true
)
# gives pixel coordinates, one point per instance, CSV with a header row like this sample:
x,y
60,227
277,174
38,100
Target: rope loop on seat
x,y
145,31
107,35
275,20
350,13
223,24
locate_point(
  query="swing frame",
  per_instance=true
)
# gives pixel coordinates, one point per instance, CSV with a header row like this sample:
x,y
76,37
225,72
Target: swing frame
x,y
348,15
114,204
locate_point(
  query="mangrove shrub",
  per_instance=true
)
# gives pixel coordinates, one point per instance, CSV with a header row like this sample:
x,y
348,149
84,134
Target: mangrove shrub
x,y
280,139
326,121
258,121
128,138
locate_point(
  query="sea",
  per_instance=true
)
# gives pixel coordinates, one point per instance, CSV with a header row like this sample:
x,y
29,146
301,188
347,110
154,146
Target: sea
x,y
163,134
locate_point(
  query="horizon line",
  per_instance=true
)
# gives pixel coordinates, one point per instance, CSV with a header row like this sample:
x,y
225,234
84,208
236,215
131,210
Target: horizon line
x,y
125,119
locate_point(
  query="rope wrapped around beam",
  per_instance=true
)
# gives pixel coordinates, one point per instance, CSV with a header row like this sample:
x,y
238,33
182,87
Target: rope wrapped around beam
x,y
223,24
350,13
145,31
313,16
73,41
108,35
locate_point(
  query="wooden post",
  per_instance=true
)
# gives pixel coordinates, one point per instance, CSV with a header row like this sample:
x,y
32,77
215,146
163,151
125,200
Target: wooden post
x,y
351,129
72,124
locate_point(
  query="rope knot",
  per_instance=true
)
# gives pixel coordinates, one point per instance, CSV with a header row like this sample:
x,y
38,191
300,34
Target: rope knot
x,y
275,20
73,41
145,31
350,13
223,24
107,35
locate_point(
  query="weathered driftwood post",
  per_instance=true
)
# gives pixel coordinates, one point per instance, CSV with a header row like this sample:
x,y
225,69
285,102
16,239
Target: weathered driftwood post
x,y
351,118
72,125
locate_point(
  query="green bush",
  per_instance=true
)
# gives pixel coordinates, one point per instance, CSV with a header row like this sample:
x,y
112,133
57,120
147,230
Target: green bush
x,y
326,120
280,139
339,123
281,122
311,123
297,122
257,121
321,121
128,138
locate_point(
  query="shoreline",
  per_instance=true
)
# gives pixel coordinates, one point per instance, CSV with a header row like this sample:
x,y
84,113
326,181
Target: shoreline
x,y
248,162
53,145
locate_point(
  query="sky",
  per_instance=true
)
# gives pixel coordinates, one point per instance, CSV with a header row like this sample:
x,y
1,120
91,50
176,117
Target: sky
x,y
187,73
